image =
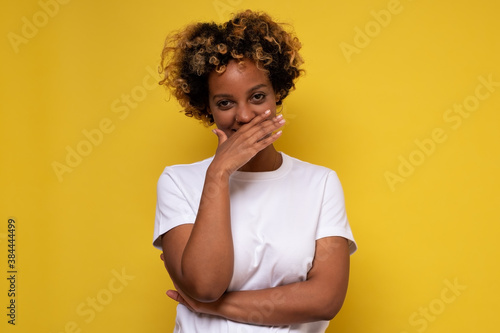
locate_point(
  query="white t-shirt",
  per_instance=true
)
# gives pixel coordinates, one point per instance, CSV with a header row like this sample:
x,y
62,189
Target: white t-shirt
x,y
276,218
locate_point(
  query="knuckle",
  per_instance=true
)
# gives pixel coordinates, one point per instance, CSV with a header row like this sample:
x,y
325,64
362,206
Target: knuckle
x,y
263,131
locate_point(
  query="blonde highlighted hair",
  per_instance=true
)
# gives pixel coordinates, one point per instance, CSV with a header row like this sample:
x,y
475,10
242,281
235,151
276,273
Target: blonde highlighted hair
x,y
191,54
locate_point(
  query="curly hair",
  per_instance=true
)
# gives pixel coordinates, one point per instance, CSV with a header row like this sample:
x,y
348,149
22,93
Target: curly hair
x,y
190,55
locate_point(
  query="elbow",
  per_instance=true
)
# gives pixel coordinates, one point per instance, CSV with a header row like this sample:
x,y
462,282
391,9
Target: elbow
x,y
208,297
206,294
330,309
332,312
204,287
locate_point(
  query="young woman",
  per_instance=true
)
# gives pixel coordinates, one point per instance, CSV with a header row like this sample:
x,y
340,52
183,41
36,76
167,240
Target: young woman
x,y
253,239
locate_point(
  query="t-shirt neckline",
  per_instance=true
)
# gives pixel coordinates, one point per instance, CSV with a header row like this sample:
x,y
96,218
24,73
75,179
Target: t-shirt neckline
x,y
284,168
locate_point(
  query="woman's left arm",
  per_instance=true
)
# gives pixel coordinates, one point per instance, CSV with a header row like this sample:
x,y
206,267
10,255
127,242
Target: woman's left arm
x,y
320,297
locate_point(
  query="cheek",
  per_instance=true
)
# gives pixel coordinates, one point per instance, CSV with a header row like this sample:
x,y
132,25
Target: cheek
x,y
223,120
268,106
271,105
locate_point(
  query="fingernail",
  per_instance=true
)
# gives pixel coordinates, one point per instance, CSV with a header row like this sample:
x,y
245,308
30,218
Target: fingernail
x,y
267,112
279,116
282,121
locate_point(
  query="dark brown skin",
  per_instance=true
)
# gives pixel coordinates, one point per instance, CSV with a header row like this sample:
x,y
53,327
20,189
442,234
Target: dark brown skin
x,y
199,257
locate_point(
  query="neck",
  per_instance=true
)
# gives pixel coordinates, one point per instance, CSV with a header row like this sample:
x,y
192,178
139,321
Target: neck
x,y
265,160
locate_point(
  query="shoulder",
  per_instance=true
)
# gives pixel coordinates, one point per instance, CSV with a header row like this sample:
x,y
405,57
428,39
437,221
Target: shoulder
x,y
313,176
188,168
300,166
191,172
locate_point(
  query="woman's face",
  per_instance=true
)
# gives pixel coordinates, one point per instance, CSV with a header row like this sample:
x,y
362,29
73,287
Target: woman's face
x,y
238,95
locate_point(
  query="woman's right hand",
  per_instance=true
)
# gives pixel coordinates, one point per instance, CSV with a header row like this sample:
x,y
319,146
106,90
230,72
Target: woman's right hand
x,y
200,257
235,151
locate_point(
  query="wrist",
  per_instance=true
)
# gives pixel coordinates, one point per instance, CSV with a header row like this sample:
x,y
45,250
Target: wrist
x,y
212,308
218,173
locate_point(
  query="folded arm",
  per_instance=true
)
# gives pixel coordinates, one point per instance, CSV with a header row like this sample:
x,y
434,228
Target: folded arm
x,y
320,297
199,257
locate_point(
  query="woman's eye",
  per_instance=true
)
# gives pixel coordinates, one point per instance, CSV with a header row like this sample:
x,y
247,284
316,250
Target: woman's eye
x,y
258,97
224,104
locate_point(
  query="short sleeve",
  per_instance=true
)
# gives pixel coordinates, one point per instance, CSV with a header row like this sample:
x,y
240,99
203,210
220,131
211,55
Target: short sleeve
x,y
173,207
333,218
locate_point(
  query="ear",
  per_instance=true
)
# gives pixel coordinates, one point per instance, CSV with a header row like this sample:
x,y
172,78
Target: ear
x,y
278,97
209,116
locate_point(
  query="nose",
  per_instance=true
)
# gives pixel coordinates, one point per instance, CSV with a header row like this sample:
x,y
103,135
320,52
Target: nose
x,y
244,114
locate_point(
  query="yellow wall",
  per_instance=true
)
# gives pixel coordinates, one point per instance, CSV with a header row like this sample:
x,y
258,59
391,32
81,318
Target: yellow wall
x,y
401,98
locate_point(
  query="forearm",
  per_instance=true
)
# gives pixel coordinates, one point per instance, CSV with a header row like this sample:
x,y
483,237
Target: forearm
x,y
207,261
285,305
320,297
200,257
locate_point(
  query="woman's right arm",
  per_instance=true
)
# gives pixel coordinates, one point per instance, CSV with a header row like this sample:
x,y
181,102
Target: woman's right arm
x,y
199,257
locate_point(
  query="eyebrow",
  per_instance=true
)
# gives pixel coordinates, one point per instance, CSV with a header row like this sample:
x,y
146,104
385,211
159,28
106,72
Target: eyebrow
x,y
248,91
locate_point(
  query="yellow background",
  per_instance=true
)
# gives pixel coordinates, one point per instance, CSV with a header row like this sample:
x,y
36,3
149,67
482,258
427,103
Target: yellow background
x,y
88,65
